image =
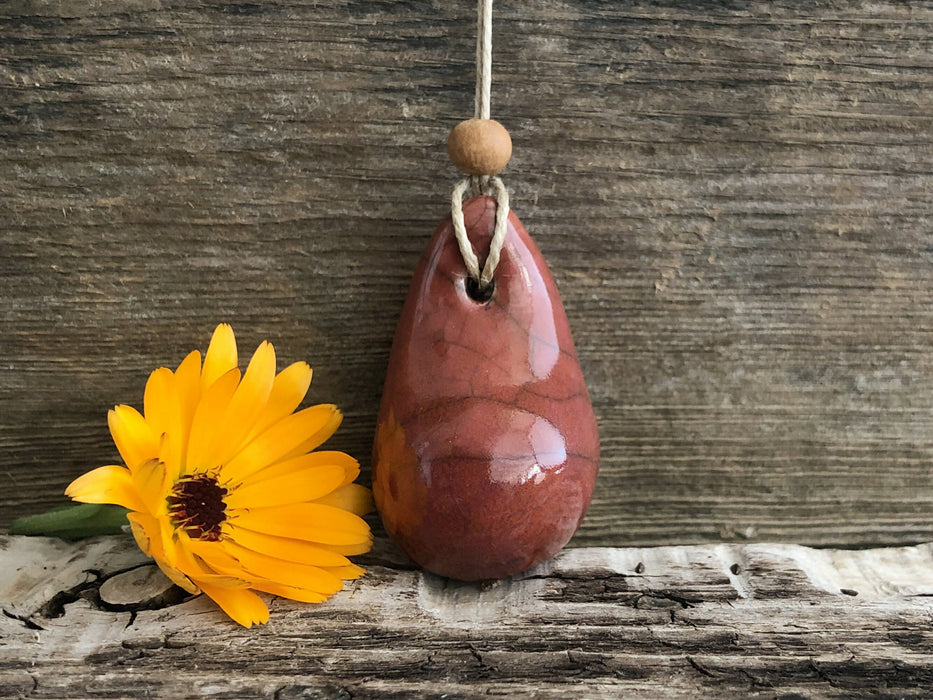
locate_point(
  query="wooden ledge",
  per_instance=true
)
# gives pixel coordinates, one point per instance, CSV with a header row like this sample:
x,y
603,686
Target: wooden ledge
x,y
95,618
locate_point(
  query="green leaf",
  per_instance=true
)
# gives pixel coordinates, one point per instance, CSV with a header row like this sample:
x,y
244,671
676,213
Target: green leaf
x,y
73,522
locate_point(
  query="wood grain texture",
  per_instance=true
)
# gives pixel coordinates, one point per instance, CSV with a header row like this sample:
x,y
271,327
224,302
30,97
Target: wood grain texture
x,y
735,200
725,621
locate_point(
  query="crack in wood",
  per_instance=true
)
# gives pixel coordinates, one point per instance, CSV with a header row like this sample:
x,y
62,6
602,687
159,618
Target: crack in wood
x,y
55,607
700,668
28,622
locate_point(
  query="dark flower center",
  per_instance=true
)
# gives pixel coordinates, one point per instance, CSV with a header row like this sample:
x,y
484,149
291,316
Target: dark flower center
x,y
196,505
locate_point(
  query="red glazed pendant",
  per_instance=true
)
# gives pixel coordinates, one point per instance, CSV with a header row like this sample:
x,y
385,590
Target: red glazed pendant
x,y
486,448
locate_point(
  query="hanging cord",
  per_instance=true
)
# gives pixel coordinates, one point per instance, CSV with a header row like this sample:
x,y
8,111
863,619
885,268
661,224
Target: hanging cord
x,y
481,183
483,58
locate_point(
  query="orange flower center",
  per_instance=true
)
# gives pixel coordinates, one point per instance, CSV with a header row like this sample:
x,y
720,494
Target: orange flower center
x,y
196,505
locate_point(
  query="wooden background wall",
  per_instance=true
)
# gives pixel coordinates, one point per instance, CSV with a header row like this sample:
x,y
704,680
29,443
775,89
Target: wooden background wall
x,y
736,201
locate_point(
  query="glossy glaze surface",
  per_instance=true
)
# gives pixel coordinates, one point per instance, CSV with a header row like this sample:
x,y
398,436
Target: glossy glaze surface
x,y
486,447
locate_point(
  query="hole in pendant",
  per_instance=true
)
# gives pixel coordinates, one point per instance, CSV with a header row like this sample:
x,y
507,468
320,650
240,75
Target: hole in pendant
x,y
478,293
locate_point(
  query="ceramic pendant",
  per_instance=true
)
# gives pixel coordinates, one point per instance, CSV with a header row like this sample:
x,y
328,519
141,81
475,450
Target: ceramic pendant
x,y
486,448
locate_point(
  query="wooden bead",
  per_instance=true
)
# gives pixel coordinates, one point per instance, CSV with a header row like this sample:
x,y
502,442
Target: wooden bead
x,y
479,146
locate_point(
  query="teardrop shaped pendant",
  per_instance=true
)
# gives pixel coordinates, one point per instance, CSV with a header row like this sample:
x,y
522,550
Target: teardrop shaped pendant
x,y
486,448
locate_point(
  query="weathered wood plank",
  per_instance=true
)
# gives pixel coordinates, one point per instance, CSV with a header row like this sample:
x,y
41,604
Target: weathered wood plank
x,y
735,199
734,620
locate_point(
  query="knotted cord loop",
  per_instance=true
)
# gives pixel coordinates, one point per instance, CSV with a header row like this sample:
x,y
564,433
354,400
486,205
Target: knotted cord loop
x,y
482,183
498,237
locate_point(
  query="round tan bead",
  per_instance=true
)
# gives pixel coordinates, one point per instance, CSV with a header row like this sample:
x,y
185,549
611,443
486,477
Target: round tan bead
x,y
479,146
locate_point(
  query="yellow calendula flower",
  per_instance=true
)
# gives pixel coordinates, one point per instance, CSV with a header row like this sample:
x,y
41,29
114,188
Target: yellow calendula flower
x,y
224,489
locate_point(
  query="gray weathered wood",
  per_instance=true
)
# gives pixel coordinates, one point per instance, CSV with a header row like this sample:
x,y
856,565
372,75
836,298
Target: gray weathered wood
x,y
735,199
757,620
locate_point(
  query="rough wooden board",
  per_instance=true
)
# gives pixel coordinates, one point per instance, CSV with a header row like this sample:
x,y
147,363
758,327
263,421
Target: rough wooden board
x,y
757,620
735,199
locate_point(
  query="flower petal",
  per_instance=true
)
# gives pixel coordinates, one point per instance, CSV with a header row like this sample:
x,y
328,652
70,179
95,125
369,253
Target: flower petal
x,y
164,415
188,388
288,548
221,355
159,400
169,542
151,483
352,497
302,595
189,373
223,581
324,458
215,557
289,573
170,455
140,533
320,436
243,606
281,440
305,521
147,533
348,572
207,423
110,484
350,550
195,568
288,389
132,436
248,400
296,487
177,577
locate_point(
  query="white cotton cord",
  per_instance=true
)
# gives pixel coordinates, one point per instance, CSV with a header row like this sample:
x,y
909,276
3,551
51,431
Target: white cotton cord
x,y
498,235
483,58
483,183
456,215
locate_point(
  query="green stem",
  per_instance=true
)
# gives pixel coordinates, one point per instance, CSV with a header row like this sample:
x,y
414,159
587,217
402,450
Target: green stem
x,y
73,522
